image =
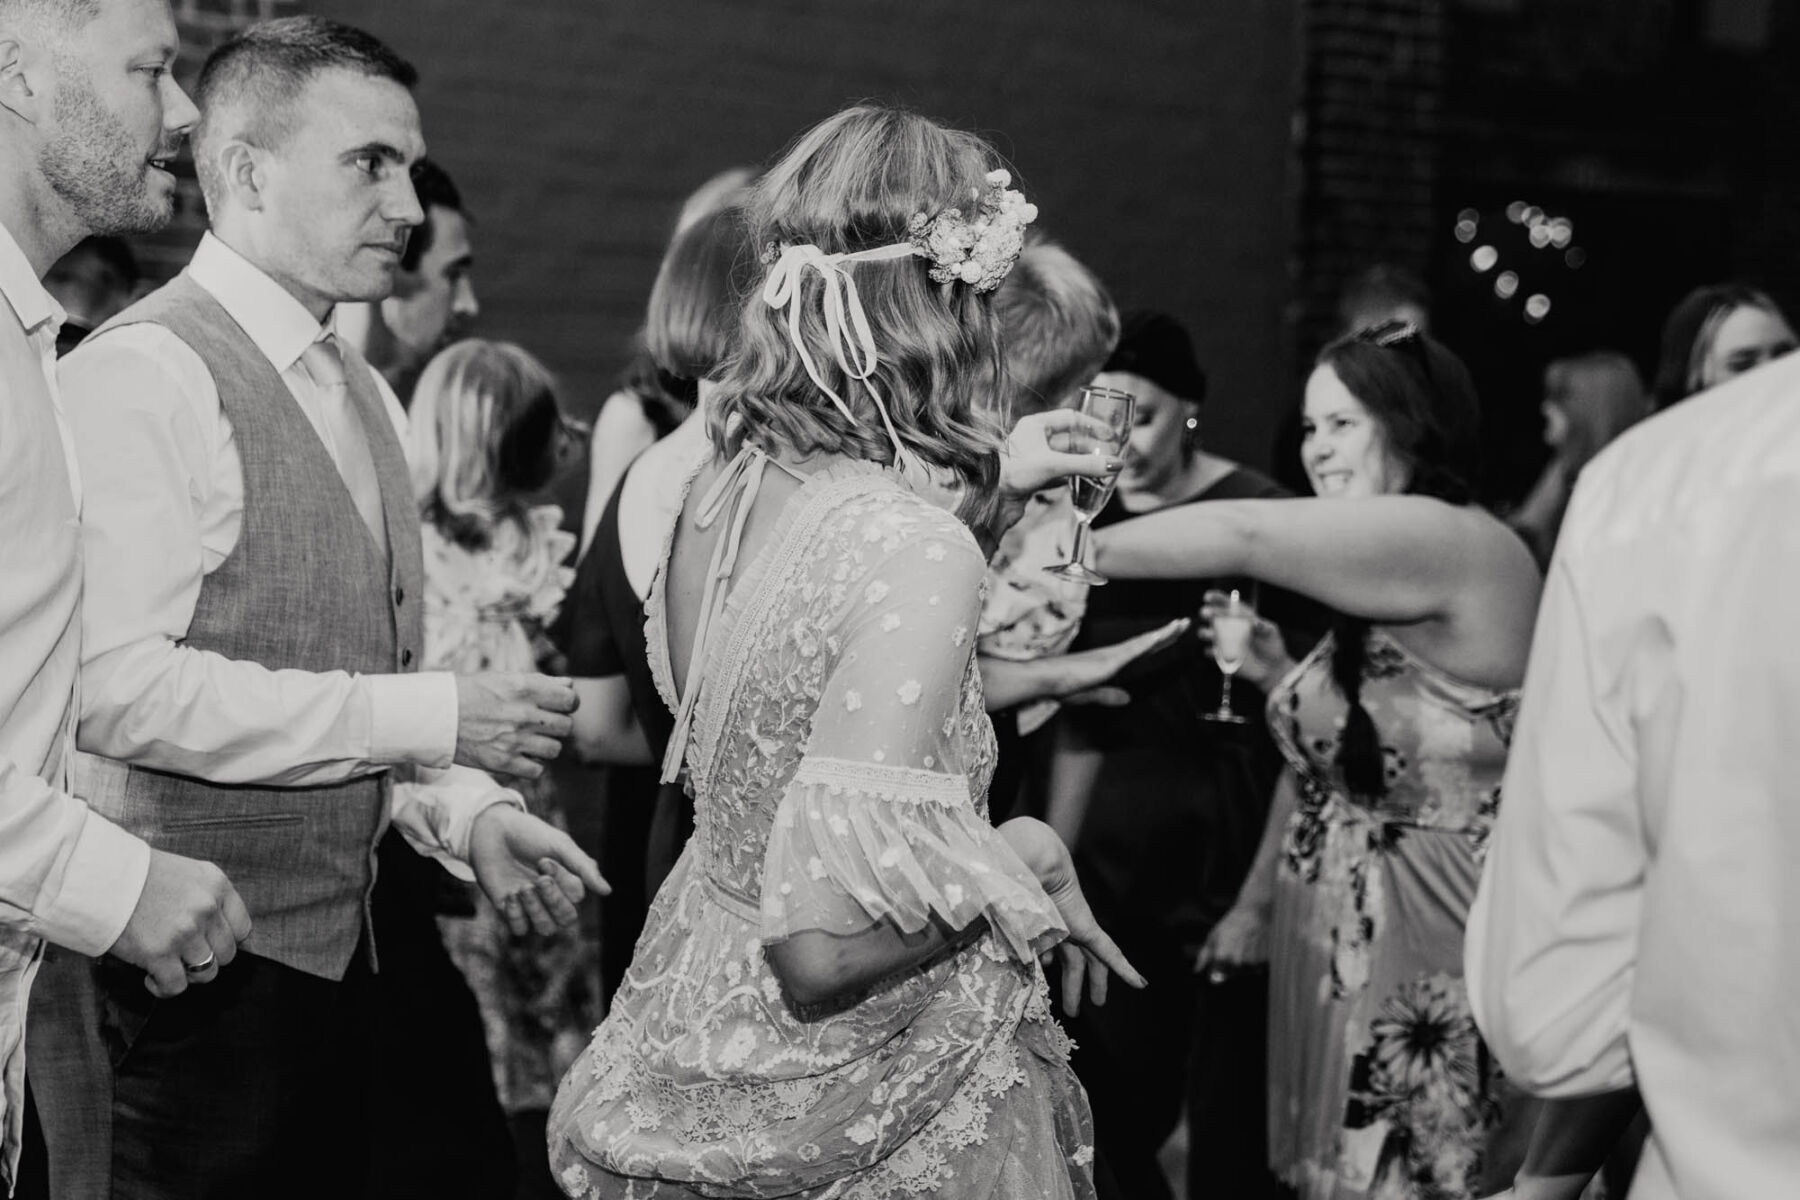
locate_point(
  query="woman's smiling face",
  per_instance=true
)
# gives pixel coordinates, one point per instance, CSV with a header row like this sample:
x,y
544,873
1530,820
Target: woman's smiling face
x,y
1343,448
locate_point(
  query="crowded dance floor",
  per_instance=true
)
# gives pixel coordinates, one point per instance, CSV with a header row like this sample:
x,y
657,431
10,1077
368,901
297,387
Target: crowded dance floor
x,y
845,602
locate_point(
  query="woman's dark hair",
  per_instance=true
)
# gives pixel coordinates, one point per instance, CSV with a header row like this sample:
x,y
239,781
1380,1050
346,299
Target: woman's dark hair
x,y
690,322
1421,397
1688,334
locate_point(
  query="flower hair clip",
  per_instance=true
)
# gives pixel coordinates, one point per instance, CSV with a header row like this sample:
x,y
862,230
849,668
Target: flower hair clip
x,y
981,251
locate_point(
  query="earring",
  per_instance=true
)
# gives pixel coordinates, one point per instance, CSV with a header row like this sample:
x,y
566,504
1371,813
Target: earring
x,y
1190,435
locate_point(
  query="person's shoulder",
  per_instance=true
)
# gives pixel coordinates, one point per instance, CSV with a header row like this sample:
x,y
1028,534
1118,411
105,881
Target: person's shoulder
x,y
891,522
1732,443
622,411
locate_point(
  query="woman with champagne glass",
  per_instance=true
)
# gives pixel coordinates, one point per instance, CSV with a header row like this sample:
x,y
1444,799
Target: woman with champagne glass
x,y
1164,808
1395,732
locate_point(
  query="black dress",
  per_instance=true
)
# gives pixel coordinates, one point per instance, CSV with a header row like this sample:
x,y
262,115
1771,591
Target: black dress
x,y
645,823
1171,827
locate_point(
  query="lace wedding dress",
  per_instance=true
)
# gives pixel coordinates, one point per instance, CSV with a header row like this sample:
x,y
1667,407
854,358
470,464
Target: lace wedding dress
x,y
838,755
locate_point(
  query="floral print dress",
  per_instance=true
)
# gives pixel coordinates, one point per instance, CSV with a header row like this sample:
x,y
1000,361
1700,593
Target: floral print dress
x,y
838,756
487,610
1379,1085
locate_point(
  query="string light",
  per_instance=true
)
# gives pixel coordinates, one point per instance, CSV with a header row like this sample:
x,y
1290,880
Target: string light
x,y
1543,231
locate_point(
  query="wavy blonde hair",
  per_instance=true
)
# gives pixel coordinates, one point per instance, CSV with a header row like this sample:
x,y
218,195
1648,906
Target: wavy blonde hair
x,y
483,436
854,182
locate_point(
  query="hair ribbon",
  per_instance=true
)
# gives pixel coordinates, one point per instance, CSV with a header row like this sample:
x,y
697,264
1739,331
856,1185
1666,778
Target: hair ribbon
x,y
846,324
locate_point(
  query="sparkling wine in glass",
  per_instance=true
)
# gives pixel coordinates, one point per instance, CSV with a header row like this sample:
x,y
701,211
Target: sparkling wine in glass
x,y
1112,408
1233,625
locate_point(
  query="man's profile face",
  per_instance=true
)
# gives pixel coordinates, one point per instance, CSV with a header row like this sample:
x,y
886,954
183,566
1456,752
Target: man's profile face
x,y
435,304
118,117
337,189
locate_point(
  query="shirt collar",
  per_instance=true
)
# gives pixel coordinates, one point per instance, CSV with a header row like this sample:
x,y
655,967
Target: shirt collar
x,y
279,324
24,290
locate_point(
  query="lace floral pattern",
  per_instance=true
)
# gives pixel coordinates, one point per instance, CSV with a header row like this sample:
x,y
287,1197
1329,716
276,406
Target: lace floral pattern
x,y
1374,1055
839,759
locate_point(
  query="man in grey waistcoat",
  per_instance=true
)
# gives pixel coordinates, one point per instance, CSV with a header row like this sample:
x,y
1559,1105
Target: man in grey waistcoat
x,y
253,629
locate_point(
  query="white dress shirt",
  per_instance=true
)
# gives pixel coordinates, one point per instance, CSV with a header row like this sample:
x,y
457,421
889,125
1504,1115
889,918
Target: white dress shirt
x,y
165,499
66,874
1639,919
163,509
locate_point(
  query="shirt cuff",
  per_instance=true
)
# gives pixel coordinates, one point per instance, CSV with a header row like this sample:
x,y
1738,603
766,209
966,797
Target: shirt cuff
x,y
436,814
101,885
412,718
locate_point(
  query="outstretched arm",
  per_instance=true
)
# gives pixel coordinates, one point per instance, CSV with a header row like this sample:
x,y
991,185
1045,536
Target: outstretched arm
x,y
1389,559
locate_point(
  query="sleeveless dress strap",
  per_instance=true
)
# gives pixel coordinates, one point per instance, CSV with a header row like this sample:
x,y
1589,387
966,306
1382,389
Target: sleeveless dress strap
x,y
732,496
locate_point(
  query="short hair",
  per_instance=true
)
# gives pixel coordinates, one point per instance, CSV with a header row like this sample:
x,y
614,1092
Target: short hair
x,y
64,16
483,430
1688,334
266,68
435,189
1601,394
1378,292
1058,325
853,182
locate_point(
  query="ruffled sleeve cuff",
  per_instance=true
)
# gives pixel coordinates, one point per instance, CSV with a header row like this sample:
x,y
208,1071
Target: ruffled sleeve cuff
x,y
857,843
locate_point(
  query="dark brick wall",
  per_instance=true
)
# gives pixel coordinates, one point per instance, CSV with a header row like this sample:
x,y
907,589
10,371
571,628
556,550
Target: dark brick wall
x,y
1154,135
203,24
1367,141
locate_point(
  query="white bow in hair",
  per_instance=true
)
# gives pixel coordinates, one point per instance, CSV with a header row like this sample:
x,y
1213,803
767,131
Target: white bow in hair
x,y
846,325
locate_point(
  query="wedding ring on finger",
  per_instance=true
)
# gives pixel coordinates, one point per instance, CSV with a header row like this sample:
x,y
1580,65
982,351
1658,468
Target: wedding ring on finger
x,y
202,967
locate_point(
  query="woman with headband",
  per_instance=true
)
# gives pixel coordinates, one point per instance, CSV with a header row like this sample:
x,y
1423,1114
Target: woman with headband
x,y
838,991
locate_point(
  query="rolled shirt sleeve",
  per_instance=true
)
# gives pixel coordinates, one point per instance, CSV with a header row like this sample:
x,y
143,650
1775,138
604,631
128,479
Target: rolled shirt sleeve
x,y
435,811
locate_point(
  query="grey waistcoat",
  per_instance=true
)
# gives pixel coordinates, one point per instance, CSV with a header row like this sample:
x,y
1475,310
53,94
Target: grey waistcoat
x,y
307,588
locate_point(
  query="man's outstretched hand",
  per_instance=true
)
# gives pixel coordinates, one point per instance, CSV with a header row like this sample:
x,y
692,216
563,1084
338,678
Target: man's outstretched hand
x,y
533,872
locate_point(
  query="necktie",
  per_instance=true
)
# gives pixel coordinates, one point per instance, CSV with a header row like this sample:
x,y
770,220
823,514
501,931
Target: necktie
x,y
346,439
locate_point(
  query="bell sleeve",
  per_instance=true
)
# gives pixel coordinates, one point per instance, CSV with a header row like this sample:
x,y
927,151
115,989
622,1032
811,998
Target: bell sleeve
x,y
879,822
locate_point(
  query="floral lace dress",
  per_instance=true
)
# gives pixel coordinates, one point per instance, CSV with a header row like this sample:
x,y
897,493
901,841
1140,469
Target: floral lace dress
x,y
838,756
1379,1085
486,610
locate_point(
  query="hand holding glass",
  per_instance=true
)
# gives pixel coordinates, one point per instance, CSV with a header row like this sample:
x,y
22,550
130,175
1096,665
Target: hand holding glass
x,y
1233,625
1112,408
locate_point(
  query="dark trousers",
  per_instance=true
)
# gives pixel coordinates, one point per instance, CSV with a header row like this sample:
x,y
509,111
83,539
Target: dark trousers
x,y
1130,1055
256,1084
1144,1054
1227,1099
438,1130
33,1179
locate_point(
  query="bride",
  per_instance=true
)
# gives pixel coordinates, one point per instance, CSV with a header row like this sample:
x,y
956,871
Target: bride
x,y
838,992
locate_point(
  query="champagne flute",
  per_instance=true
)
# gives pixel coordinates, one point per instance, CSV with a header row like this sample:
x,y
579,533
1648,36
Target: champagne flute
x,y
1113,408
1233,625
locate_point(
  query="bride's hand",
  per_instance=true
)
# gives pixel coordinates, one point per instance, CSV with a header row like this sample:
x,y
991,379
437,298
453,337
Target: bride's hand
x,y
1088,954
1031,461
